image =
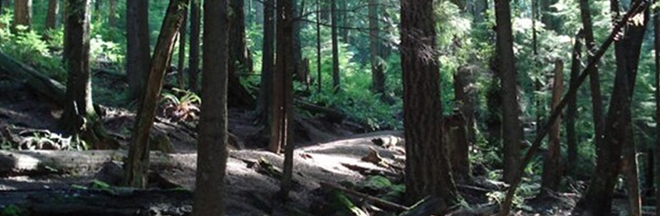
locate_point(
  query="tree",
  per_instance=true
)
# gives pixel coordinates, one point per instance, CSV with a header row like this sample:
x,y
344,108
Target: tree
x,y
267,59
510,108
137,164
182,49
212,152
239,59
618,132
594,78
335,47
571,111
193,62
51,16
552,172
377,75
112,19
22,14
137,46
427,167
80,118
282,107
319,79
656,47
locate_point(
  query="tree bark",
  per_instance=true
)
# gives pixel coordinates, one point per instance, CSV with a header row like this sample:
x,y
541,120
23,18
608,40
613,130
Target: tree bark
x,y
594,77
552,168
239,59
267,59
182,50
598,198
466,96
22,14
656,47
137,46
456,140
112,20
80,118
571,111
319,79
377,75
510,109
193,62
427,167
212,152
283,93
138,155
335,47
51,16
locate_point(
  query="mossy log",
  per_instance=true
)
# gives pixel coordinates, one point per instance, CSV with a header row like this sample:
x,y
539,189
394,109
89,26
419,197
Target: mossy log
x,y
35,80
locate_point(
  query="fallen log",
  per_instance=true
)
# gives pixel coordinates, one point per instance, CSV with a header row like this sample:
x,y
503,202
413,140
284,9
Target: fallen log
x,y
97,202
38,82
40,162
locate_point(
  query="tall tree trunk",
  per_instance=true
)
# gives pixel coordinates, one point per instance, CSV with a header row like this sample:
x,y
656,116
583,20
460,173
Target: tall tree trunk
x,y
571,112
182,50
510,109
656,46
80,118
22,14
137,164
335,47
552,171
267,59
239,60
112,19
377,75
137,46
319,79
598,198
51,16
594,78
212,149
193,62
427,166
343,19
494,104
283,83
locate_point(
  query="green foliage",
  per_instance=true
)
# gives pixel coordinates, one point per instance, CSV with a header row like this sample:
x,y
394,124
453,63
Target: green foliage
x,y
13,210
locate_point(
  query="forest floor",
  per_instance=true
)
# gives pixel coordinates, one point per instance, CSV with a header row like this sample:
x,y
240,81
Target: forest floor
x,y
327,155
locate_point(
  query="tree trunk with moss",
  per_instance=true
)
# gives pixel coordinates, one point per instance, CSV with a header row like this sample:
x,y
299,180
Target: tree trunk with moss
x,y
80,118
137,46
137,164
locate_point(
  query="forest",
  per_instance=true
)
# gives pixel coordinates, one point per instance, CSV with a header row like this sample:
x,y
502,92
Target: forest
x,y
329,107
